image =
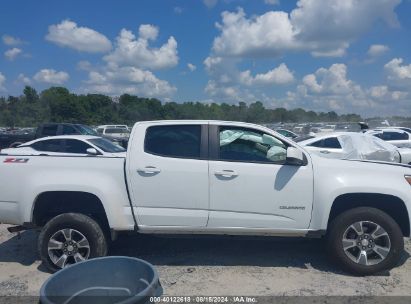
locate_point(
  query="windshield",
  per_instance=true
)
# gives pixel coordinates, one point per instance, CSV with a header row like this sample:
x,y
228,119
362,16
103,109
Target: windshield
x,y
106,145
116,130
86,130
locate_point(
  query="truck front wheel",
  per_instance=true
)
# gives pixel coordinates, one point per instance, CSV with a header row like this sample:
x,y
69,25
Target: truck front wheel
x,y
70,238
365,240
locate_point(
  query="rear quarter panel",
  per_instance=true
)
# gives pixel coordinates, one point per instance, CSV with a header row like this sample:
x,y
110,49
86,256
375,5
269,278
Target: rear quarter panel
x,y
23,178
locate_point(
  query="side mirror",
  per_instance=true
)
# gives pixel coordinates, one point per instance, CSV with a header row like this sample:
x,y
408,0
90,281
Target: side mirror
x,y
92,151
295,157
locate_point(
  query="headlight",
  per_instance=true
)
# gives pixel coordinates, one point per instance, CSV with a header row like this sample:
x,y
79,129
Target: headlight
x,y
408,178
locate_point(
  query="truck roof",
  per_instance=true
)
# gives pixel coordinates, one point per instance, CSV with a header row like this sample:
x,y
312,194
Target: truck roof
x,y
197,121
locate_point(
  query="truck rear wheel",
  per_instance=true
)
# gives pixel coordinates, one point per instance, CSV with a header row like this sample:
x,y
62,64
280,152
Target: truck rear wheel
x,y
365,241
70,238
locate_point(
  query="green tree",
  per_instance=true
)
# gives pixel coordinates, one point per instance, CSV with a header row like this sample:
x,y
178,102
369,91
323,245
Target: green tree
x,y
59,105
30,94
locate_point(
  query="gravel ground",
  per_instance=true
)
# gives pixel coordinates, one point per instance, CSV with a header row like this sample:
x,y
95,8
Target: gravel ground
x,y
216,266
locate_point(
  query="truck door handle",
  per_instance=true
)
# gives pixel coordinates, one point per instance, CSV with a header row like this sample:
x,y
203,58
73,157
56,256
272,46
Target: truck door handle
x,y
226,173
325,152
149,170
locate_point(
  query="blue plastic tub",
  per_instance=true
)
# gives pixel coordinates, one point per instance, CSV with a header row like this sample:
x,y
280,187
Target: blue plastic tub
x,y
103,280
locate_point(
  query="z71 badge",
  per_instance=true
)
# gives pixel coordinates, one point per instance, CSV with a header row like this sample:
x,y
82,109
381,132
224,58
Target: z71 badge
x,y
13,160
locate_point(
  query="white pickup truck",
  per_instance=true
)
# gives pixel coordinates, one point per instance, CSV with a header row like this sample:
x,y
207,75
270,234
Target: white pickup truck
x,y
209,177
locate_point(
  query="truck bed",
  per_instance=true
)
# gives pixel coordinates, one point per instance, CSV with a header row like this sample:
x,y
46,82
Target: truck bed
x,y
24,178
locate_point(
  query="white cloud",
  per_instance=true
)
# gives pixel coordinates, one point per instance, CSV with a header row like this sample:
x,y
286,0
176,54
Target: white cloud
x,y
11,54
330,89
378,91
272,2
329,81
211,62
229,93
326,89
376,50
128,66
265,35
225,70
277,76
51,76
148,32
325,28
338,21
11,41
23,79
398,74
214,89
2,81
137,52
191,67
84,39
230,84
384,94
115,80
210,3
224,76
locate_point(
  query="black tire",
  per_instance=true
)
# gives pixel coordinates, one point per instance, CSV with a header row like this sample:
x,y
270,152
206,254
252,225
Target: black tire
x,y
365,214
88,227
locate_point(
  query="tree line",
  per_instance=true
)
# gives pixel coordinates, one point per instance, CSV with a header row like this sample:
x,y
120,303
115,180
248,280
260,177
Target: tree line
x,y
58,104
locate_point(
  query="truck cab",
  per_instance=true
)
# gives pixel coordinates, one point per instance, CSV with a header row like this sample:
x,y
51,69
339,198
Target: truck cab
x,y
234,178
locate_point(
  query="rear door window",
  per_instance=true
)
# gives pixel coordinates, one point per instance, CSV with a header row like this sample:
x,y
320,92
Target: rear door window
x,y
181,141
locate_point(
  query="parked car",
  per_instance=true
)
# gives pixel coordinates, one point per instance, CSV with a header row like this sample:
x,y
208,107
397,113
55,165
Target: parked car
x,y
395,128
209,177
11,138
49,129
116,133
68,145
395,136
349,145
113,126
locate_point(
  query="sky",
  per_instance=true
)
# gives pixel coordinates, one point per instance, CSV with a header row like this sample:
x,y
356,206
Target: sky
x,y
347,56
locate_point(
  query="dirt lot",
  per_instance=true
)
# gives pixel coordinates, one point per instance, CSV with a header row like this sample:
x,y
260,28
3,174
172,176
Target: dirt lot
x,y
216,266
